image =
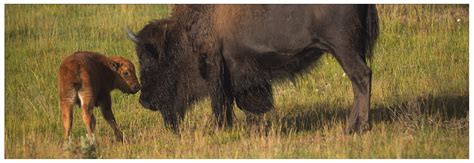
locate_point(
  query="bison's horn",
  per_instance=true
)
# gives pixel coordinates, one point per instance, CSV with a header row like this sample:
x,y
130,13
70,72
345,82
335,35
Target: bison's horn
x,y
131,35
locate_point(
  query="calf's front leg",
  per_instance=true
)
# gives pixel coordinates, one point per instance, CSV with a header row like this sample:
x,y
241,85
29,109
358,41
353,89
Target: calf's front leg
x,y
106,109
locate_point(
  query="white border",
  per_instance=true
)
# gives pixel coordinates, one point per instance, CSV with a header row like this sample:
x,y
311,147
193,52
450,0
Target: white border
x,y
235,1
2,82
471,88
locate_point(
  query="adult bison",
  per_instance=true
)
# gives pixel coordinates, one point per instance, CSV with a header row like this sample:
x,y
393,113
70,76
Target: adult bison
x,y
235,52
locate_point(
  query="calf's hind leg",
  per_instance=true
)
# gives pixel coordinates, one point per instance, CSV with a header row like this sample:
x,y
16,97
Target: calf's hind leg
x,y
67,104
87,106
67,98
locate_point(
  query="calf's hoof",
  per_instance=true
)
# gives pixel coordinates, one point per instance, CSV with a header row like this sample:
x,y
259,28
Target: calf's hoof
x,y
120,139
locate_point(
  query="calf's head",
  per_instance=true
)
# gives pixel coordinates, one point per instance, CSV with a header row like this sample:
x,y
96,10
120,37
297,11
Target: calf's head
x,y
125,78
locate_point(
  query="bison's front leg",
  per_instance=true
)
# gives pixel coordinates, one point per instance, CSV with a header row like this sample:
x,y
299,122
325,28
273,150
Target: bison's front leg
x,y
174,115
214,71
172,120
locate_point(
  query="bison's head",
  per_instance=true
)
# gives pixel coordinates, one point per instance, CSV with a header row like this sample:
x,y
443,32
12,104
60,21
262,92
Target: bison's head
x,y
156,72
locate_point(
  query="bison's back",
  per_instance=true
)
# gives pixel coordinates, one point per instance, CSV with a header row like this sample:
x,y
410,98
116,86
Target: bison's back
x,y
286,29
263,42
264,28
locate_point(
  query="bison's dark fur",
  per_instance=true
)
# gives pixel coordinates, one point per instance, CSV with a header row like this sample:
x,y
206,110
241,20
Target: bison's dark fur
x,y
234,52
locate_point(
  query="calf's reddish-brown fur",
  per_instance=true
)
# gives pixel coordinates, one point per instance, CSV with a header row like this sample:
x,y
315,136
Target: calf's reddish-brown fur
x,y
86,79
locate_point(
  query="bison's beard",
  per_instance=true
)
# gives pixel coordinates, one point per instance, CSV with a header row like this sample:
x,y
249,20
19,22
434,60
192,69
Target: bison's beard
x,y
148,104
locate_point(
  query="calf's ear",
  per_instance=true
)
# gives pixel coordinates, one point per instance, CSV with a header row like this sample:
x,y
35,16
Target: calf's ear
x,y
114,66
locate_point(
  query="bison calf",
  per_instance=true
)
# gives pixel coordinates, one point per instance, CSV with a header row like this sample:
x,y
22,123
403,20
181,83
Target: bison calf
x,y
86,79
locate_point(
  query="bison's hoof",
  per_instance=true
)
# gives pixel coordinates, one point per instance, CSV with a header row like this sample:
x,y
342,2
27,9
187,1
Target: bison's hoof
x,y
357,129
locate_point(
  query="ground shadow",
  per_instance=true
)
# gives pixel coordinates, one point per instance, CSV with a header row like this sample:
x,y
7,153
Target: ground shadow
x,y
315,117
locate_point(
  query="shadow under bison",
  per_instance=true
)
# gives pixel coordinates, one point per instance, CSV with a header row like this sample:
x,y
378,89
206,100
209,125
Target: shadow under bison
x,y
315,118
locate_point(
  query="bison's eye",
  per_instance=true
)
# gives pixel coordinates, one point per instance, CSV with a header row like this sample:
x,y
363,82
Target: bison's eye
x,y
151,49
126,74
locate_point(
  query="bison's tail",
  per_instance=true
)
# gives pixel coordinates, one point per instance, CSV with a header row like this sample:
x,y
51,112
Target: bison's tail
x,y
371,30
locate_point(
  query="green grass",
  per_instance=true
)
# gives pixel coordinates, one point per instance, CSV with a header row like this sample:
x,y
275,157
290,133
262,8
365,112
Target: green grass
x,y
419,98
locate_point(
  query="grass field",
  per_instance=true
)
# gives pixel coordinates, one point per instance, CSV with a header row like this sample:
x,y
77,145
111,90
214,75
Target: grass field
x,y
419,101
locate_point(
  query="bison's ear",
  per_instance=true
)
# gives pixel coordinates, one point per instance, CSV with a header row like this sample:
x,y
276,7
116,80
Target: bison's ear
x,y
114,66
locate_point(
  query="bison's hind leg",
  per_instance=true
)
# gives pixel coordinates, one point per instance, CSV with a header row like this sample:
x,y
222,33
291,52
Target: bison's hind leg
x,y
360,75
